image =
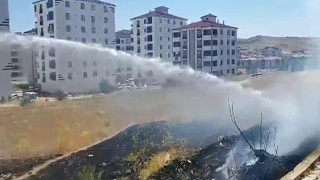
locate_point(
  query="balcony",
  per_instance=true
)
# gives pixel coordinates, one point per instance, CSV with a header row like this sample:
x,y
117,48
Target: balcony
x,y
184,47
199,46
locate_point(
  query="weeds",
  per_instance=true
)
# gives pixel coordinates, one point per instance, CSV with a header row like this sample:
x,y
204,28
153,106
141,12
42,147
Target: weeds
x,y
89,173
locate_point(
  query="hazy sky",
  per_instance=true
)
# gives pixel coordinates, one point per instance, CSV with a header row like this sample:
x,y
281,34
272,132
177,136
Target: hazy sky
x,y
253,17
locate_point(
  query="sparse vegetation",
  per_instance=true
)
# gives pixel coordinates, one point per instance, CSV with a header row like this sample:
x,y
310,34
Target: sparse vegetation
x,y
106,87
89,173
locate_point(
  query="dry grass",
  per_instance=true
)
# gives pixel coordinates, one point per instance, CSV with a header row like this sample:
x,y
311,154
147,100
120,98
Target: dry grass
x,y
60,127
161,159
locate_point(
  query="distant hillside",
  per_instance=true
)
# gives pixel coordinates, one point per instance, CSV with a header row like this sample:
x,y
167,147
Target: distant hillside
x,y
285,43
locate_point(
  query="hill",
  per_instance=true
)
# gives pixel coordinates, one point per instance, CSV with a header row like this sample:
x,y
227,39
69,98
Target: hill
x,y
285,43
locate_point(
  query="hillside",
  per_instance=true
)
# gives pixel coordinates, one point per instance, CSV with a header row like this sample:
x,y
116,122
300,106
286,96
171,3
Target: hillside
x,y
285,43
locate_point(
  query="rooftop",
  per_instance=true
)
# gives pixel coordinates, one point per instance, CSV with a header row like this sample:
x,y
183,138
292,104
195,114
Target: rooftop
x,y
123,34
204,24
90,1
158,12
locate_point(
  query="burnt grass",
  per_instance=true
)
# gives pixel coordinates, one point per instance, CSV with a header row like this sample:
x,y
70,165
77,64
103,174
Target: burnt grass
x,y
111,157
10,168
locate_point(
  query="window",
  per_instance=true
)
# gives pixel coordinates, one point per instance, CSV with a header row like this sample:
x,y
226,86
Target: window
x,y
106,30
93,30
181,23
168,21
83,29
206,53
149,38
221,62
138,23
214,63
83,17
84,40
169,30
105,20
14,60
214,53
228,71
53,76
95,73
233,43
50,4
176,34
207,43
221,31
206,63
50,16
68,17
106,41
83,6
221,52
93,19
177,44
40,9
160,55
168,38
69,64
168,55
44,77
84,63
85,75
221,42
105,8
94,40
233,33
214,32
35,8
52,52
160,47
68,28
149,29
228,61
93,7
150,47
160,38
149,20
169,47
207,32
233,52
174,22
233,71
69,75
52,64
67,4
233,61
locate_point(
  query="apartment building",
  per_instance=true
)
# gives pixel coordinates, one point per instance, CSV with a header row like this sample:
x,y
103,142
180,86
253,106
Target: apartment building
x,y
86,21
123,41
207,46
152,36
272,52
5,68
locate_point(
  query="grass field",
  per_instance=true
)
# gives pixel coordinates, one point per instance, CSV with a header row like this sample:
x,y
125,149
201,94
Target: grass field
x,y
59,127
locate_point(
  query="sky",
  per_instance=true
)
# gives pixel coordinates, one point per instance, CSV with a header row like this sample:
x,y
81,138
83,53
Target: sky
x,y
252,17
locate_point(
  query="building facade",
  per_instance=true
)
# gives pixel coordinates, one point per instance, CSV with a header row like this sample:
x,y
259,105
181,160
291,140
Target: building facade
x,y
5,67
4,16
123,41
152,36
86,21
207,46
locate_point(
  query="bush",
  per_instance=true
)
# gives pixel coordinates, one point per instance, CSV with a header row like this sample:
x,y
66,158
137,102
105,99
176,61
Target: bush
x,y
89,173
59,95
106,87
25,100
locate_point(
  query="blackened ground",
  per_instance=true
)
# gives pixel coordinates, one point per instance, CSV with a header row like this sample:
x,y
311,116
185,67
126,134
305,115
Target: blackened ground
x,y
270,167
108,157
16,167
201,166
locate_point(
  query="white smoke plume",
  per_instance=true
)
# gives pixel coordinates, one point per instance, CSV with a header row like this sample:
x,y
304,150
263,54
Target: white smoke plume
x,y
292,101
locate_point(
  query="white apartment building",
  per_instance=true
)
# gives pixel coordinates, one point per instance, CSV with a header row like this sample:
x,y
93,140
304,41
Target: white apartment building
x,y
86,21
207,46
152,36
5,67
123,41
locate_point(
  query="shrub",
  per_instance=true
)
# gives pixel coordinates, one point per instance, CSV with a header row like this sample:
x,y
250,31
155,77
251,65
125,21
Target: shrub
x,y
89,173
106,87
25,100
60,95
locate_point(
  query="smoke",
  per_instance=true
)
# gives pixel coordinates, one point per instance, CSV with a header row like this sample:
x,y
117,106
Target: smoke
x,y
291,101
